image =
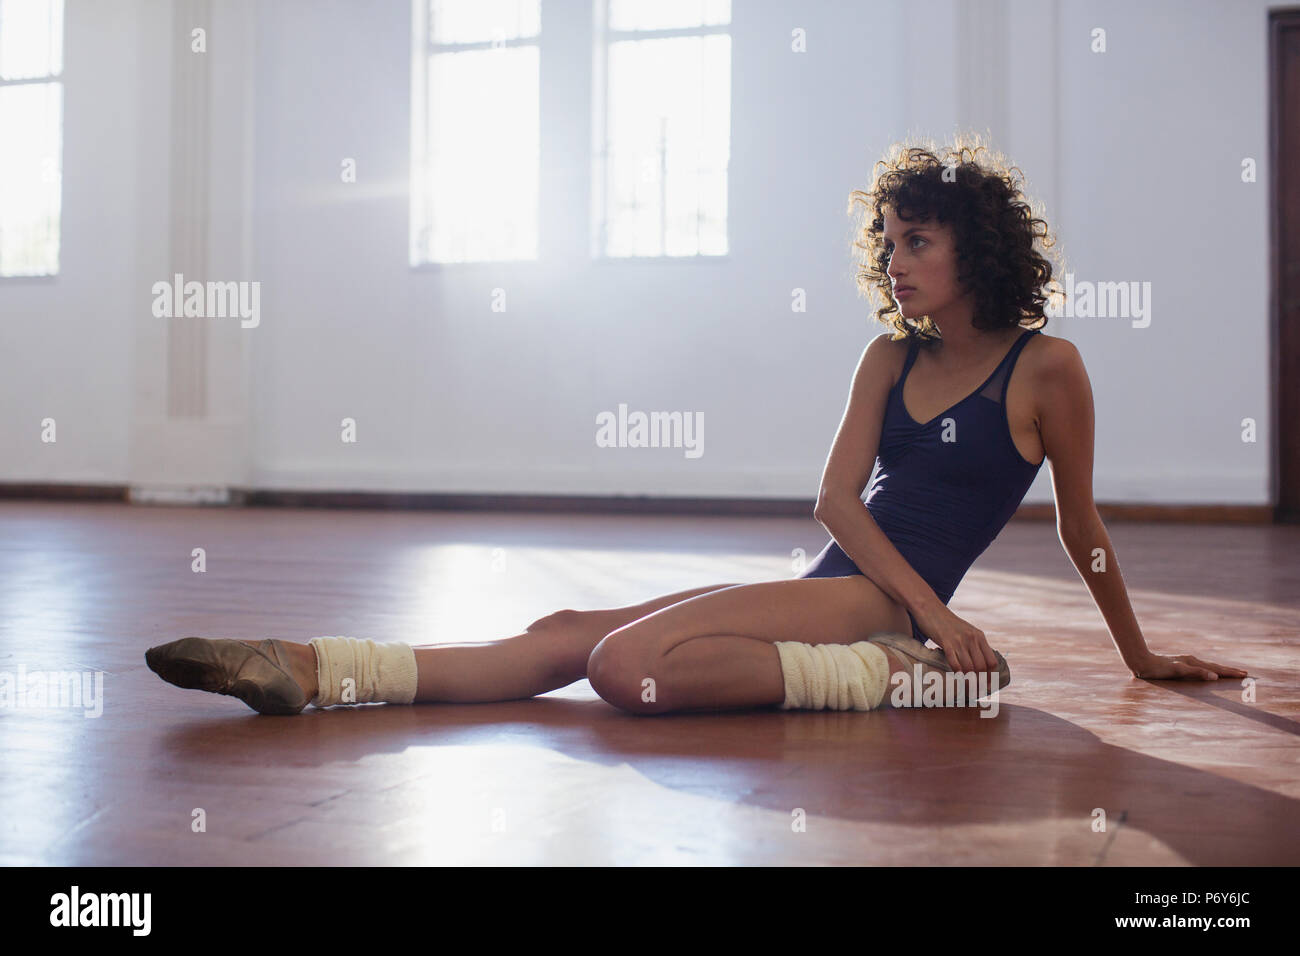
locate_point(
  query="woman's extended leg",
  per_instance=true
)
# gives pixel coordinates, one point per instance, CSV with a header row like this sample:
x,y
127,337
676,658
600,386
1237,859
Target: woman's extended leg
x,y
717,651
551,653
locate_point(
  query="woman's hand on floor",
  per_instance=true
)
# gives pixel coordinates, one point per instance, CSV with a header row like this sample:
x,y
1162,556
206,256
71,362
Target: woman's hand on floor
x,y
1182,667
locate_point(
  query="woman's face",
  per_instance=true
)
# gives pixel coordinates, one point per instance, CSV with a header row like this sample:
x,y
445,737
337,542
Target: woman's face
x,y
923,256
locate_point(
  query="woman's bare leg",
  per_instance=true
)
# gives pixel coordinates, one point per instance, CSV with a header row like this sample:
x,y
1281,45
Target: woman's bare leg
x,y
551,653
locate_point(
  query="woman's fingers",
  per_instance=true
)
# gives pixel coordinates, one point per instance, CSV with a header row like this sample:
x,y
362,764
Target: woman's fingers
x,y
1190,667
979,654
953,652
1186,667
970,652
990,661
1223,670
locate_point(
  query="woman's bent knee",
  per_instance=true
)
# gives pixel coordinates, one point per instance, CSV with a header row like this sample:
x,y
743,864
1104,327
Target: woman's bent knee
x,y
621,675
620,686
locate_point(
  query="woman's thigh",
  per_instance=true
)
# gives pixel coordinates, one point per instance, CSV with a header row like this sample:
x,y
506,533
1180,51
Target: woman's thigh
x,y
834,610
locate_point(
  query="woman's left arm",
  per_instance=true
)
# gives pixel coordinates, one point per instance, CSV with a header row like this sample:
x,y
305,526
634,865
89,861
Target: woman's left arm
x,y
1065,421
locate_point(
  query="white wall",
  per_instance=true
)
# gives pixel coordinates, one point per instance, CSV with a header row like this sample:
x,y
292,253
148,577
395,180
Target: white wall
x,y
66,341
1136,152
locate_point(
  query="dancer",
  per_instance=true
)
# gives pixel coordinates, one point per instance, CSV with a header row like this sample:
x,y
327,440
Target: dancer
x,y
956,409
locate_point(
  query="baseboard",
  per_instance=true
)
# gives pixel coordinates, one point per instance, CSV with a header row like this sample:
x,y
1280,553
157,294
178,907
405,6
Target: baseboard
x,y
185,495
583,504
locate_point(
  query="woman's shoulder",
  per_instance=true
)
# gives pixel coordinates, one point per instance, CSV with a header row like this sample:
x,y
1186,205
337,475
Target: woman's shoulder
x,y
1045,355
892,353
1045,344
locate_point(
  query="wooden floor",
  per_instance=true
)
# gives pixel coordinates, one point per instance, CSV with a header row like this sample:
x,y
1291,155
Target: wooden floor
x,y
1187,774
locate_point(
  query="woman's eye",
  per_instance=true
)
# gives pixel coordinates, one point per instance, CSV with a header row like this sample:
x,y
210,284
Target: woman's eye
x,y
889,249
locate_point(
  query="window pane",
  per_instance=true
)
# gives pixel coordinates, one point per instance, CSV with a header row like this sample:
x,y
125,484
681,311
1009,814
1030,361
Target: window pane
x,y
31,38
481,170
479,21
31,121
668,136
667,14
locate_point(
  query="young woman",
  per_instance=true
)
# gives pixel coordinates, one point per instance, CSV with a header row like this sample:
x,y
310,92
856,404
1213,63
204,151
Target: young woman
x,y
954,412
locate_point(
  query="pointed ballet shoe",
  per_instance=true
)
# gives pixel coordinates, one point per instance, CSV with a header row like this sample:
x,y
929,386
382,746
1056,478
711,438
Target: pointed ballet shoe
x,y
259,676
914,649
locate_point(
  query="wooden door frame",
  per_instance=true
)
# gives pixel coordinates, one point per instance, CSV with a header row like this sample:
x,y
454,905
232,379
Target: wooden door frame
x,y
1284,264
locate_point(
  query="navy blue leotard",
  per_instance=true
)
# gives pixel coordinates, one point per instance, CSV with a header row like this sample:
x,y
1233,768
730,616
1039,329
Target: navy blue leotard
x,y
942,491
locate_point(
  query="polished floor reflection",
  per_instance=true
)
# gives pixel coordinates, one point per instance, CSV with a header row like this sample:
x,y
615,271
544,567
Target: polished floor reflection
x,y
1196,773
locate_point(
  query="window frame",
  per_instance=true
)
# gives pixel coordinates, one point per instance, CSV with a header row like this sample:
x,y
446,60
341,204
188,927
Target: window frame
x,y
422,48
56,79
602,37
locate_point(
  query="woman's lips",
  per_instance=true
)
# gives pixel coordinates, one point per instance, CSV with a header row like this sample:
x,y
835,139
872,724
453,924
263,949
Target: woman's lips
x,y
903,291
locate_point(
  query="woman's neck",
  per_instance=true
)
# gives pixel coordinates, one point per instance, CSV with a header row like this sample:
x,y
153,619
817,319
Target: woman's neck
x,y
966,347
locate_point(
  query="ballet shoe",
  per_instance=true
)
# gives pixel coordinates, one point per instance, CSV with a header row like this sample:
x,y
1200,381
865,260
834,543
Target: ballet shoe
x,y
912,648
259,676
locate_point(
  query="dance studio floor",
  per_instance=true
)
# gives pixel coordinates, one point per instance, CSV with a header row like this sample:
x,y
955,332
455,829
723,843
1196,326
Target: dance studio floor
x,y
1184,773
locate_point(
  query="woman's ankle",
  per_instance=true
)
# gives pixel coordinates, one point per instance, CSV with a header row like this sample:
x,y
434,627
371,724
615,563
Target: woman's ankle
x,y
302,665
304,668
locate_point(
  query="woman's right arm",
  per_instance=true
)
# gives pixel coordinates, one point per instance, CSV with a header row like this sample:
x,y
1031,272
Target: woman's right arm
x,y
843,514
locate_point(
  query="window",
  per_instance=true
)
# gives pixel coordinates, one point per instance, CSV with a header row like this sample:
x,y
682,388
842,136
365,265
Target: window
x,y
662,127
31,136
474,130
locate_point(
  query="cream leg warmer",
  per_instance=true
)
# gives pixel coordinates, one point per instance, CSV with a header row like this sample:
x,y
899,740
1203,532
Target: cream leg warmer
x,y
352,671
833,676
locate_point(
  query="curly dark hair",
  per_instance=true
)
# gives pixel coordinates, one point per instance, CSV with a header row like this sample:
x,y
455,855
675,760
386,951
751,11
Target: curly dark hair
x,y
994,231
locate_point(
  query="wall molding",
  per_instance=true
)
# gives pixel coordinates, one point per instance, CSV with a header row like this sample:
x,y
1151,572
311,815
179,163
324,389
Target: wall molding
x,y
191,118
